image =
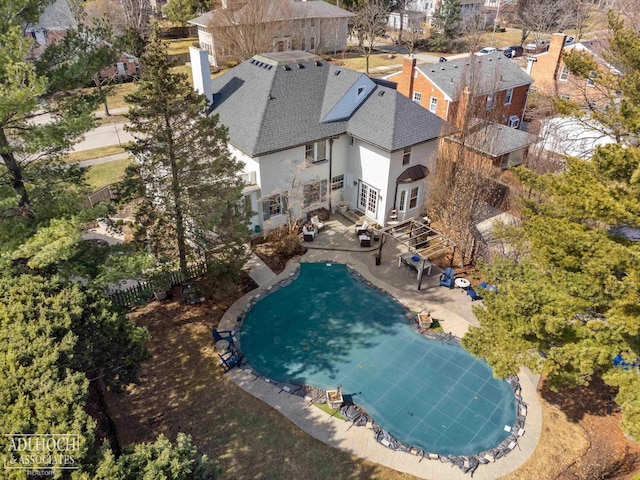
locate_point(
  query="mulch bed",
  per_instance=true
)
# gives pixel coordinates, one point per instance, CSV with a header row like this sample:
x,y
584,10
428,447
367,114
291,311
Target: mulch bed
x,y
610,454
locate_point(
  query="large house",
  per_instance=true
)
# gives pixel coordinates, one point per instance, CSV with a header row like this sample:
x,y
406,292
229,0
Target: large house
x,y
421,12
482,97
553,78
320,135
313,26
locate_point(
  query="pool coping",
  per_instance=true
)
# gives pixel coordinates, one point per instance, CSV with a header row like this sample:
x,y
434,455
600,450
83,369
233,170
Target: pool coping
x,y
361,441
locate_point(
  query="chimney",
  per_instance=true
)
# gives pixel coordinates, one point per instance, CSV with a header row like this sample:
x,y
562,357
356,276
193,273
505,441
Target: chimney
x,y
463,110
405,85
201,74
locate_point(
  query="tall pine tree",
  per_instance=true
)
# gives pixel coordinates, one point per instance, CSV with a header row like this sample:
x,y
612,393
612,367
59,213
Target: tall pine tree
x,y
572,303
192,201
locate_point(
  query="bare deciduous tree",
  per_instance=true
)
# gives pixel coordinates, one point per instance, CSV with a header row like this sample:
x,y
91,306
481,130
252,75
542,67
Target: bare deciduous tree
x,y
474,28
463,188
253,28
539,18
370,22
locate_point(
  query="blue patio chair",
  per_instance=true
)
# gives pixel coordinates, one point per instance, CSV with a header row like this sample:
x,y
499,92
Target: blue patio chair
x,y
222,335
447,279
228,360
490,288
473,294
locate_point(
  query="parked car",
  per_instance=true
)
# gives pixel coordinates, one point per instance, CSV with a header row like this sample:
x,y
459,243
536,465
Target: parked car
x,y
513,51
486,51
539,46
569,41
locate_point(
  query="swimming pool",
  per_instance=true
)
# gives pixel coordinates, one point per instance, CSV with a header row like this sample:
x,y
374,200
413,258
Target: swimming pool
x,y
327,328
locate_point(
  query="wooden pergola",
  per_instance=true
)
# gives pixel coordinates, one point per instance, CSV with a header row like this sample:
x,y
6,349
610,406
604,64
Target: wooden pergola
x,y
422,242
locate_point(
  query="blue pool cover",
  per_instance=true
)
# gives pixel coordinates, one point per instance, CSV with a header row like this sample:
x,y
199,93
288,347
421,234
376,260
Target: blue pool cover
x,y
327,328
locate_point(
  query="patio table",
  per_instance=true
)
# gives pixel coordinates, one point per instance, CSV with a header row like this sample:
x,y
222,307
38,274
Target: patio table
x,y
462,283
419,265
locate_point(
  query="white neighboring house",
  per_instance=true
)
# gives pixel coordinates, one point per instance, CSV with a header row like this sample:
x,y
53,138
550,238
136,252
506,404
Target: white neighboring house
x,y
426,9
573,137
344,136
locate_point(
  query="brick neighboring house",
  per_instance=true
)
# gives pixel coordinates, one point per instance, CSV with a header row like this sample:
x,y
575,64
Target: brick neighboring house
x,y
483,98
312,26
553,78
343,137
54,22
499,87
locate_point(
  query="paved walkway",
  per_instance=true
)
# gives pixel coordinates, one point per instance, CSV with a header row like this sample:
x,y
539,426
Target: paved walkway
x,y
259,272
451,307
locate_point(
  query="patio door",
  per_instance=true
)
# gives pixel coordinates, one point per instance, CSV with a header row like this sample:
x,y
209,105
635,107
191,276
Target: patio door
x,y
368,199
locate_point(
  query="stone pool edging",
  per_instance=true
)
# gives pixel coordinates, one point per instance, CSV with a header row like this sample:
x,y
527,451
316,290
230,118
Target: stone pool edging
x,y
466,463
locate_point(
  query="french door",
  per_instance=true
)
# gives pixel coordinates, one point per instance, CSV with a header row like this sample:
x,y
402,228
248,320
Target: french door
x,y
368,199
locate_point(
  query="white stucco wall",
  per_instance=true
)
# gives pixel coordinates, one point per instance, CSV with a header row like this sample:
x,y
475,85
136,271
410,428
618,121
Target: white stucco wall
x,y
422,154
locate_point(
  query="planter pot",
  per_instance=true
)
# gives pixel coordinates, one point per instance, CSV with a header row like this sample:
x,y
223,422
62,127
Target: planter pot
x,y
425,320
343,208
334,398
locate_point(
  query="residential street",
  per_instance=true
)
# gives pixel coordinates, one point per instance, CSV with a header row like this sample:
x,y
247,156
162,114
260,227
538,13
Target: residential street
x,y
104,136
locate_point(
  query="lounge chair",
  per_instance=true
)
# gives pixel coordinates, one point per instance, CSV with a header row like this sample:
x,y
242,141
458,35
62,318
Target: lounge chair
x,y
308,234
228,360
222,335
448,278
315,221
473,294
361,229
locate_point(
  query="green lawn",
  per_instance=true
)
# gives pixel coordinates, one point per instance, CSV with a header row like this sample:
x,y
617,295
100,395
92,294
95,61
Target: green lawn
x,y
180,45
106,173
82,155
115,99
375,60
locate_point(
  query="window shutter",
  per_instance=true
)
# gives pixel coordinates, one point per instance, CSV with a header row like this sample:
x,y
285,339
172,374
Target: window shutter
x,y
265,210
285,207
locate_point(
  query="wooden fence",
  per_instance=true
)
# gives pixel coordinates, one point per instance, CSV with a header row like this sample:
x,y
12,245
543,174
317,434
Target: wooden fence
x,y
143,292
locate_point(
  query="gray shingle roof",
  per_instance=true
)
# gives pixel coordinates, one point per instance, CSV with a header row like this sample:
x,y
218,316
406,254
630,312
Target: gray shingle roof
x,y
495,139
56,17
293,11
487,73
275,101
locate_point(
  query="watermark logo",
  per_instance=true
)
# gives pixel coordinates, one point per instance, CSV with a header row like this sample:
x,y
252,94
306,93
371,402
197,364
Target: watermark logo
x,y
42,453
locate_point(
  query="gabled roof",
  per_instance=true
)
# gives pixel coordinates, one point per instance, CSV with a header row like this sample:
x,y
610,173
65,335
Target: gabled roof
x,y
495,139
287,10
484,74
278,100
56,16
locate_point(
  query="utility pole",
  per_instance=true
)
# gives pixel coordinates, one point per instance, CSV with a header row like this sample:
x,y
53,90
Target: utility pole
x,y
495,22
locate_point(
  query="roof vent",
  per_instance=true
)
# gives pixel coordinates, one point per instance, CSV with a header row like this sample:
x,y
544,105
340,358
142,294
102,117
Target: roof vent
x,y
260,64
502,78
301,65
318,63
433,71
286,67
252,61
452,81
456,66
381,93
442,68
336,73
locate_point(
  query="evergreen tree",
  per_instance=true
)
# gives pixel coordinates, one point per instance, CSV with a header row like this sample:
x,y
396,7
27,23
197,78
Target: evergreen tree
x,y
53,338
37,127
572,302
159,460
190,185
446,25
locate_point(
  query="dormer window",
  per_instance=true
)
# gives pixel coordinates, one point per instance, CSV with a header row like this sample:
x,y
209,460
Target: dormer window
x,y
360,91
